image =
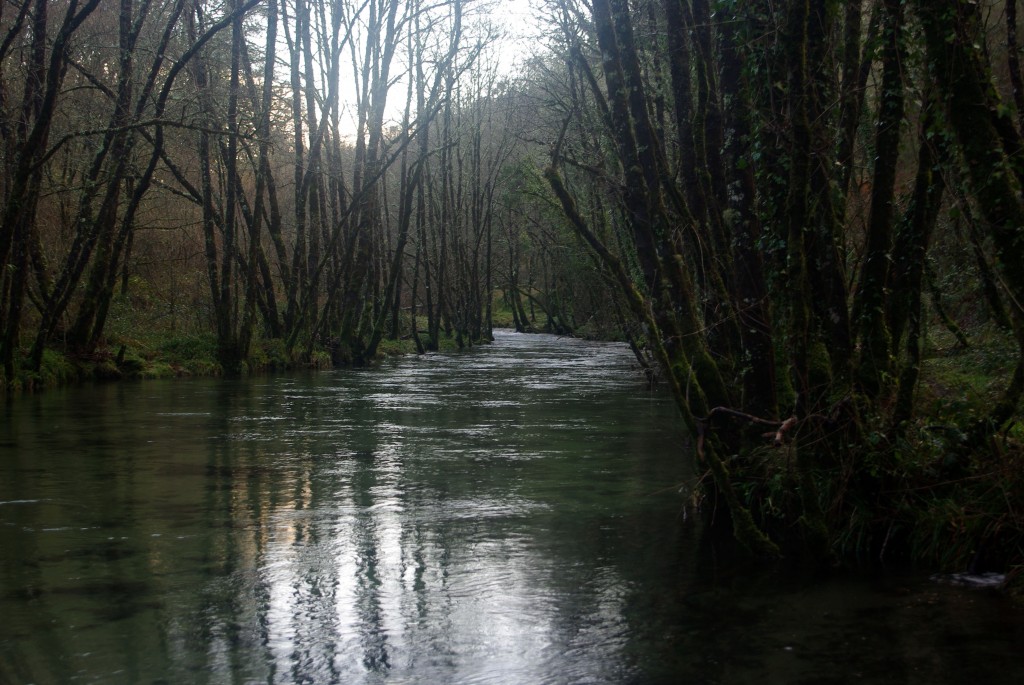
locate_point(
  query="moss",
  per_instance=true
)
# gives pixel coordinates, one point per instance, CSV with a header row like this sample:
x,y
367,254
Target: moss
x,y
269,354
395,348
341,355
745,530
158,370
447,343
501,311
202,367
132,365
320,359
784,389
959,385
182,348
57,369
819,365
106,370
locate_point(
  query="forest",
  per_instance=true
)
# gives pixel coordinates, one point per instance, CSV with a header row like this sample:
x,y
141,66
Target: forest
x,y
805,217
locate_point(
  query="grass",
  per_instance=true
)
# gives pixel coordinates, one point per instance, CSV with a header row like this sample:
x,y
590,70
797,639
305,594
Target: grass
x,y
959,385
396,348
151,353
146,338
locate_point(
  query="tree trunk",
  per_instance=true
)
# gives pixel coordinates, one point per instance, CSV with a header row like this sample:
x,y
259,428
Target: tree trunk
x,y
874,363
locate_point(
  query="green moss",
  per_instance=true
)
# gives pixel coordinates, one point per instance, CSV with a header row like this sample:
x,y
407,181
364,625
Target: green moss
x,y
57,369
183,348
158,370
819,365
106,370
960,385
132,365
269,354
445,344
501,312
202,367
320,359
395,348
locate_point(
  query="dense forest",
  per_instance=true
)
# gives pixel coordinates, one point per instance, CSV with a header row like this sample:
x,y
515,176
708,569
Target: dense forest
x,y
805,217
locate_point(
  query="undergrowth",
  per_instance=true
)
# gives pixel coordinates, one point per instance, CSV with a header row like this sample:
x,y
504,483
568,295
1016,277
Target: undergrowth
x,y
921,494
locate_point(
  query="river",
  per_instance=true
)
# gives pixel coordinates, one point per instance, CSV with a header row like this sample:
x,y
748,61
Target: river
x,y
516,513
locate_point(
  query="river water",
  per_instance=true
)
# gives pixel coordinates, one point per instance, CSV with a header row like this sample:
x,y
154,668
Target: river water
x,y
511,514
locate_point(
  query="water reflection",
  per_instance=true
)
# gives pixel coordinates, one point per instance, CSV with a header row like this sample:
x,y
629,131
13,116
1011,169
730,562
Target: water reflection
x,y
511,515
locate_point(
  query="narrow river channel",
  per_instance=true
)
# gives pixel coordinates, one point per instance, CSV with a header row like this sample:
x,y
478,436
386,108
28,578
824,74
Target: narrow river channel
x,y
510,514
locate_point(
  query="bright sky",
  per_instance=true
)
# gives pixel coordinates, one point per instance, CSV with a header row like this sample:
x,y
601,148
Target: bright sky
x,y
520,19
517,17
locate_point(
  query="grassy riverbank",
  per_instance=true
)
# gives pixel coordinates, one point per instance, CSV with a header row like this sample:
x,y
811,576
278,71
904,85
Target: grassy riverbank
x,y
143,343
170,356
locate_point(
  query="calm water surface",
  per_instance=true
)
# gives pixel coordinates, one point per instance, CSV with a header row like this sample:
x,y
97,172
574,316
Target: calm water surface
x,y
513,514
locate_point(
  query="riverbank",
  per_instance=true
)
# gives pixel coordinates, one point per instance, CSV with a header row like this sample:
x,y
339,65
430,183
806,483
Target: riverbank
x,y
177,356
138,348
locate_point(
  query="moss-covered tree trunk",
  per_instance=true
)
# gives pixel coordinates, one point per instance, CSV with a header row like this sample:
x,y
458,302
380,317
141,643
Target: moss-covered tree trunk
x,y
874,363
906,270
751,302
